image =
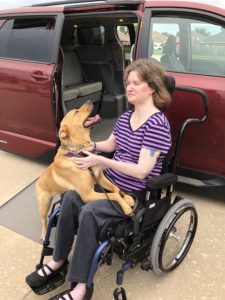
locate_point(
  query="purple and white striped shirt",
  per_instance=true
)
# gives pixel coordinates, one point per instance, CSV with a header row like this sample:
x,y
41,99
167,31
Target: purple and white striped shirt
x,y
153,134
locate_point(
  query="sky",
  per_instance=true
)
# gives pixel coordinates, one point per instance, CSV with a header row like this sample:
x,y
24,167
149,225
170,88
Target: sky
x,y
18,3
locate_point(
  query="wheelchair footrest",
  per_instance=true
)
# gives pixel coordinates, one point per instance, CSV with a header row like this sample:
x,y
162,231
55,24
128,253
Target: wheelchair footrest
x,y
52,284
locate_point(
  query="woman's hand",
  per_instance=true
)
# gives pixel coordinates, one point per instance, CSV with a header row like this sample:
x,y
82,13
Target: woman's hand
x,y
87,162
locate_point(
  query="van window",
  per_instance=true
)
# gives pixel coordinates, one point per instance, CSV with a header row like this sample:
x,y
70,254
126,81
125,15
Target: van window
x,y
126,35
27,39
89,36
188,45
2,21
123,35
207,48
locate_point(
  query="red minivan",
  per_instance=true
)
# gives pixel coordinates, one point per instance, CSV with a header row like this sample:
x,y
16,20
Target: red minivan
x,y
55,56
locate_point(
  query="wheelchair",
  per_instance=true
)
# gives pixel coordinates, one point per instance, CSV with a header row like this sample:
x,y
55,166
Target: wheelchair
x,y
157,237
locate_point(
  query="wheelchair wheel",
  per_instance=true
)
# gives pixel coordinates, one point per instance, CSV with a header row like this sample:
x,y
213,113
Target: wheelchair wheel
x,y
173,237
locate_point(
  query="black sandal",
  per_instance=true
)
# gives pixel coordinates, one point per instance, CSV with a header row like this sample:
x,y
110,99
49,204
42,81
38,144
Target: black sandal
x,y
88,295
35,280
61,295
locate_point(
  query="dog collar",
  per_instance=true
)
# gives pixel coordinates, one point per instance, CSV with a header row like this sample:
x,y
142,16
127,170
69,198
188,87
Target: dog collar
x,y
79,154
76,148
70,154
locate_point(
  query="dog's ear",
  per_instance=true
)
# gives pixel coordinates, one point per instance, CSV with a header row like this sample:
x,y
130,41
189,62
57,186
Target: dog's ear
x,y
63,132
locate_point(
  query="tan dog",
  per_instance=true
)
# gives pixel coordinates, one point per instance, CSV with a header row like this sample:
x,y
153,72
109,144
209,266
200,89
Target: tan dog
x,y
63,175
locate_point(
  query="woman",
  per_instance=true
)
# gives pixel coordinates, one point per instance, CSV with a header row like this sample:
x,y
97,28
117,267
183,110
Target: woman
x,y
140,140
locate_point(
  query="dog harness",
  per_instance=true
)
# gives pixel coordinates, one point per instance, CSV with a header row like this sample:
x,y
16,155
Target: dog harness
x,y
76,151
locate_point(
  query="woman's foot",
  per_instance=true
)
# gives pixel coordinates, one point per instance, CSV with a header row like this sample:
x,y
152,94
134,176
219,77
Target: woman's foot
x,y
49,267
43,275
80,292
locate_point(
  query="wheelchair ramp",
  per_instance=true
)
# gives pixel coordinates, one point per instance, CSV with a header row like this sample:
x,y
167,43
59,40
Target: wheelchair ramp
x,y
21,214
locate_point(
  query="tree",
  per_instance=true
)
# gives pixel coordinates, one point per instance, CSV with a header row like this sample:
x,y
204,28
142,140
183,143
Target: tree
x,y
202,31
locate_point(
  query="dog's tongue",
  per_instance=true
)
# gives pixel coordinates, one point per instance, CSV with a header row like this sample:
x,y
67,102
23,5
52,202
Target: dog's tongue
x,y
92,120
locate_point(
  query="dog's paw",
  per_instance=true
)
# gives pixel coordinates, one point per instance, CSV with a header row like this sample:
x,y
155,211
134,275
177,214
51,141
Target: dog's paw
x,y
129,200
43,234
127,209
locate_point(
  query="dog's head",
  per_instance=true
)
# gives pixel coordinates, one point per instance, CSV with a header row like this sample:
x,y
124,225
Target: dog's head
x,y
75,126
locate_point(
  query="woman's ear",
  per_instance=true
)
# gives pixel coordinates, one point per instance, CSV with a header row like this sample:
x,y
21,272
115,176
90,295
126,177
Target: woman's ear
x,y
63,132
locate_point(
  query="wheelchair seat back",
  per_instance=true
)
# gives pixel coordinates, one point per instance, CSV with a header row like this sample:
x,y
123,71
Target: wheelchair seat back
x,y
154,211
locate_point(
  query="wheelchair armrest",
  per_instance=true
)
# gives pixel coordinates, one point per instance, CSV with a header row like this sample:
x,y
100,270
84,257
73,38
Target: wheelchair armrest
x,y
162,181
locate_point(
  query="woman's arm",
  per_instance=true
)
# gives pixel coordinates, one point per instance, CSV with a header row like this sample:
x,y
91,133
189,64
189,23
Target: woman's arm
x,y
143,168
108,145
146,162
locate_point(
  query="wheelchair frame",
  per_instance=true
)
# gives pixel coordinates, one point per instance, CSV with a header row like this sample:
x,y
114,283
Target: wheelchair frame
x,y
157,239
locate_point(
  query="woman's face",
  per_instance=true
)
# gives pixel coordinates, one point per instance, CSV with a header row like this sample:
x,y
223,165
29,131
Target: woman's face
x,y
137,90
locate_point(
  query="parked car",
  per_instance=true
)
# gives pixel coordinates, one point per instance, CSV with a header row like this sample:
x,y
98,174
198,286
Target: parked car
x,y
157,46
55,56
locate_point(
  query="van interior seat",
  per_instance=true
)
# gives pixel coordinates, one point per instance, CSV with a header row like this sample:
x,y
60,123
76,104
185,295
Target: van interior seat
x,y
169,59
75,86
150,51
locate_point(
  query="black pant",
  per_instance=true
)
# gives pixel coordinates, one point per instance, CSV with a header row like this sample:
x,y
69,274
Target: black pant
x,y
88,221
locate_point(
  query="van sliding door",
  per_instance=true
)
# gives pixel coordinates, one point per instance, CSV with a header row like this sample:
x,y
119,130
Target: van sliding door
x,y
28,54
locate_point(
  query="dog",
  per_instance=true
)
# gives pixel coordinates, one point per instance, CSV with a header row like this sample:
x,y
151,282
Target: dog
x,y
63,175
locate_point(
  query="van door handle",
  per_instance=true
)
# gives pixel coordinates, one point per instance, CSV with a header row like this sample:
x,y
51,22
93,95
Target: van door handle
x,y
39,76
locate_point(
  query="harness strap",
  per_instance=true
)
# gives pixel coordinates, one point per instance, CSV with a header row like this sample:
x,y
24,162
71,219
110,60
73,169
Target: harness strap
x,y
96,181
90,169
122,194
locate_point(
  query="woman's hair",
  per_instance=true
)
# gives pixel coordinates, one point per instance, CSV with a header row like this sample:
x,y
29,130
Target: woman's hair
x,y
155,76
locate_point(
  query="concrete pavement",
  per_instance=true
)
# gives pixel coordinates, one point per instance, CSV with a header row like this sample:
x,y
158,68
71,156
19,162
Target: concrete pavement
x,y
200,276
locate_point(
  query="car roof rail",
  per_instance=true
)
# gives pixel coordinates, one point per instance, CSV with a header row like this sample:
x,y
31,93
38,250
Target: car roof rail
x,y
67,2
125,1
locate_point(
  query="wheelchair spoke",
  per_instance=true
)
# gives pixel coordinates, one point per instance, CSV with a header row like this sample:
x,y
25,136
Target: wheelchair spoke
x,y
177,240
